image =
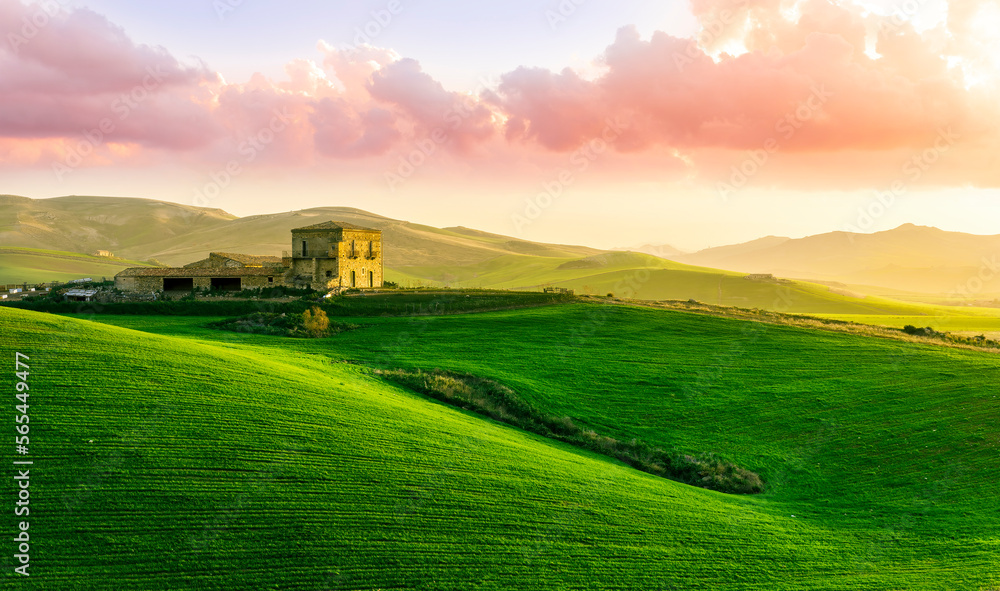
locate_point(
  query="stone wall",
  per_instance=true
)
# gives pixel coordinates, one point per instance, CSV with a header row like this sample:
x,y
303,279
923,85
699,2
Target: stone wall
x,y
151,283
360,253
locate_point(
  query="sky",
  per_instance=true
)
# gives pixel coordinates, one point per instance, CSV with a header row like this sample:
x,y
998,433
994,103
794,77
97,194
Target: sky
x,y
694,123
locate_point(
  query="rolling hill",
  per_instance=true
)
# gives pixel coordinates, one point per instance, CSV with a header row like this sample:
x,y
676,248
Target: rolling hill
x,y
87,224
32,265
419,255
908,258
142,229
180,457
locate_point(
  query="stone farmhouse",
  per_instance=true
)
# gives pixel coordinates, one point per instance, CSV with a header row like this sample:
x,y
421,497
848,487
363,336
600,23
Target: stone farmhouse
x,y
327,256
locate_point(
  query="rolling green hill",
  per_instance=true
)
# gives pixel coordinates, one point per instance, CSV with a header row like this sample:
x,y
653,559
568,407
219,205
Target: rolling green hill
x,y
179,234
34,265
645,277
222,460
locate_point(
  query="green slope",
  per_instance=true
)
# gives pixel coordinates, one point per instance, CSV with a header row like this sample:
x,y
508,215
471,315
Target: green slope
x,y
163,463
645,277
884,452
31,265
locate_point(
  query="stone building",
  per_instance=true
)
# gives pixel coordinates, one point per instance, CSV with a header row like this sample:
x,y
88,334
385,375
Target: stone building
x,y
327,256
336,255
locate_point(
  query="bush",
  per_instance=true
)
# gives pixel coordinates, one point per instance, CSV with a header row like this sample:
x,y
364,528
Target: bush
x,y
315,322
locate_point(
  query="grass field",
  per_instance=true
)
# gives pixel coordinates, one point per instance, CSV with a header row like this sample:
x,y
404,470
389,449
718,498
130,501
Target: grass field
x,y
33,265
880,456
956,320
645,277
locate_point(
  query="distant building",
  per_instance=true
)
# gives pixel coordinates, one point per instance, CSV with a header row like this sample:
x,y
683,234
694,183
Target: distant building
x,y
327,256
760,277
80,295
104,253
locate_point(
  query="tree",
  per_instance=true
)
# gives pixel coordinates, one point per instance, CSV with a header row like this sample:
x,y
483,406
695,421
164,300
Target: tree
x,y
315,321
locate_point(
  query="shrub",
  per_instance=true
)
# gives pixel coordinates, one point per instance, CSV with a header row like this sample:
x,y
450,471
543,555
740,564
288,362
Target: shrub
x,y
315,322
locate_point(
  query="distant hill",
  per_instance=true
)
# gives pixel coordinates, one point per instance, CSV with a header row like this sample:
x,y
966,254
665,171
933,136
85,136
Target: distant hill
x,y
908,258
87,224
665,251
176,234
32,265
913,259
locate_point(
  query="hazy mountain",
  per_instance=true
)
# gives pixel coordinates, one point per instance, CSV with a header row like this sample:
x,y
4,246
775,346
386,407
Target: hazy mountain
x,y
910,258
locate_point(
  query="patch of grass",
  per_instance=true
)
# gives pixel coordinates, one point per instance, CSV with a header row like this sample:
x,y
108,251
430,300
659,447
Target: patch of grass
x,y
499,402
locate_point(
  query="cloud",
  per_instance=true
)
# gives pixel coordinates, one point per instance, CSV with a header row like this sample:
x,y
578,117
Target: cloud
x,y
344,132
829,84
677,96
430,107
74,70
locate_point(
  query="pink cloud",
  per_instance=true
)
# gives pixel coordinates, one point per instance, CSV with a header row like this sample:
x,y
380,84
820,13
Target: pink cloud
x,y
404,85
820,93
79,72
343,132
806,84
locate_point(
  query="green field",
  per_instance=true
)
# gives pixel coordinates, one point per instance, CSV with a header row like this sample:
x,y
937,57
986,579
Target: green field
x,y
195,458
644,277
33,265
956,320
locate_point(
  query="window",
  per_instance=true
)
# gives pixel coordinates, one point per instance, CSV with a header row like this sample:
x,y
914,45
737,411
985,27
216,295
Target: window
x,y
305,248
352,279
270,279
371,279
329,274
370,249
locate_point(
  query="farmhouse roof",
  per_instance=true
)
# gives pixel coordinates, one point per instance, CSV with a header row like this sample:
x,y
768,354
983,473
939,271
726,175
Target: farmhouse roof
x,y
210,272
248,259
81,292
331,225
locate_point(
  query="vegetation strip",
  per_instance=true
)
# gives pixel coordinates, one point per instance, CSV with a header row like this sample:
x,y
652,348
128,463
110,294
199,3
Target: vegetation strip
x,y
503,404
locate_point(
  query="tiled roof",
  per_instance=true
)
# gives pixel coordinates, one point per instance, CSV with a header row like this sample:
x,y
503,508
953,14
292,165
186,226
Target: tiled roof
x,y
331,225
212,272
248,259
